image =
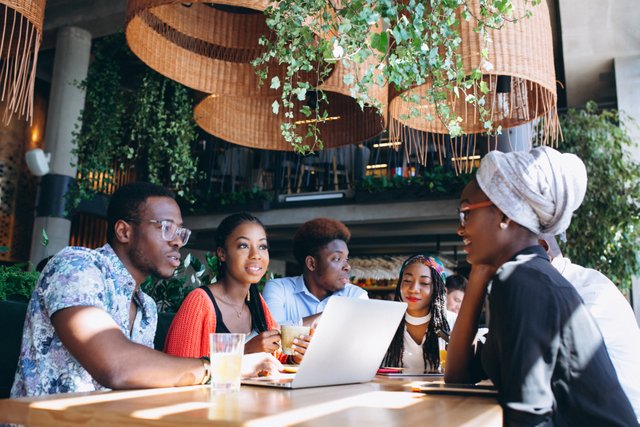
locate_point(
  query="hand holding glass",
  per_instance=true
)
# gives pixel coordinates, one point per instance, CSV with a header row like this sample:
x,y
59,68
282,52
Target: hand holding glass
x,y
289,333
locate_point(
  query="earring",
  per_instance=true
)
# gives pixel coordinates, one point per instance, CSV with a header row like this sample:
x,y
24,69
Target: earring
x,y
503,225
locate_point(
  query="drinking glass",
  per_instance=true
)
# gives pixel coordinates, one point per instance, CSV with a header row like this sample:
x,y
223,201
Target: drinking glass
x,y
226,361
443,355
290,332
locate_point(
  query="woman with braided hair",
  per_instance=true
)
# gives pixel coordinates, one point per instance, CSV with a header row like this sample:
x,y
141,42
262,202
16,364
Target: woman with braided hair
x,y
421,285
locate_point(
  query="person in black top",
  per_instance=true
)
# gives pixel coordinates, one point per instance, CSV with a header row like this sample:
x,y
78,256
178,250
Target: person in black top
x,y
543,351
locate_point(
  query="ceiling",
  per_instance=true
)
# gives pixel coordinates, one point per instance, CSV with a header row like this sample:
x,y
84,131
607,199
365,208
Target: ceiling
x,y
588,34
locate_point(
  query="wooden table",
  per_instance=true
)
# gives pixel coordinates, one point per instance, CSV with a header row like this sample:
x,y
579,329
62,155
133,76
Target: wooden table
x,y
383,402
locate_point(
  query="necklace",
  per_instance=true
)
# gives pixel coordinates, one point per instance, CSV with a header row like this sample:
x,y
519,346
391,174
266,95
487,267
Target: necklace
x,y
412,320
233,306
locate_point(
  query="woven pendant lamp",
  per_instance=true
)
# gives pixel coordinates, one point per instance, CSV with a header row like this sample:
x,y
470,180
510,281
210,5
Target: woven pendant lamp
x,y
249,120
202,45
521,80
21,36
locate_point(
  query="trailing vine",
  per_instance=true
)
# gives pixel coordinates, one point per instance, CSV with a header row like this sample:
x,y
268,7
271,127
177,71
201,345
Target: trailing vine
x,y
416,42
100,130
133,117
162,130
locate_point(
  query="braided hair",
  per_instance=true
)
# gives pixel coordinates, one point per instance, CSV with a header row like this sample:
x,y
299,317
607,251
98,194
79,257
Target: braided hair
x,y
253,301
437,308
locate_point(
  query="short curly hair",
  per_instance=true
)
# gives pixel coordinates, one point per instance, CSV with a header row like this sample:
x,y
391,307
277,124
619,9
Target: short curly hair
x,y
315,234
128,202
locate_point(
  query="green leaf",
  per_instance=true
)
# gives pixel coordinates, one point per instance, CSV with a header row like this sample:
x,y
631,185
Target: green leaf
x,y
275,82
348,79
379,41
275,107
44,238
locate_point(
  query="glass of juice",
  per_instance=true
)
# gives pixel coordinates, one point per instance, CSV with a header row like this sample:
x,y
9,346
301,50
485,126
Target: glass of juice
x,y
226,361
442,344
443,359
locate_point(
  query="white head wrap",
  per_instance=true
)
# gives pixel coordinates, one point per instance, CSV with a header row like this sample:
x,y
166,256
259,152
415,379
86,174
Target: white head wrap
x,y
539,189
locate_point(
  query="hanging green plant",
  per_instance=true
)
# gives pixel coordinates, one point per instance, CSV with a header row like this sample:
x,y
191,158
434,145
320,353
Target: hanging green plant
x,y
605,230
162,131
403,44
133,117
101,127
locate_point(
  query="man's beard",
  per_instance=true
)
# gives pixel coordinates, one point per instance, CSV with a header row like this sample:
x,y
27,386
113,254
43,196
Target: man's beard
x,y
144,263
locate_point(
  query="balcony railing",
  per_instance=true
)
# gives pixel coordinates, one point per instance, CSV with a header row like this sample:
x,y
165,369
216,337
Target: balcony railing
x,y
238,174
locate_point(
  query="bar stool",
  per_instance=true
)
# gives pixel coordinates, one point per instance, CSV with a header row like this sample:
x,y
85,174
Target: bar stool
x,y
312,172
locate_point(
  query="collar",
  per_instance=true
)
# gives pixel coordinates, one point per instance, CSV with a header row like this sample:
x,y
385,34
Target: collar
x,y
561,263
124,278
299,285
521,257
536,250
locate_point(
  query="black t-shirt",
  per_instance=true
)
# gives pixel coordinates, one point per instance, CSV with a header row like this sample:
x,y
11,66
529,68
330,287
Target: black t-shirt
x,y
545,353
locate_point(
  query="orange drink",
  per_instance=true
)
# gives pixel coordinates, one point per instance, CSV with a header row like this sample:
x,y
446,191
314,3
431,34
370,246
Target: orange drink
x,y
443,359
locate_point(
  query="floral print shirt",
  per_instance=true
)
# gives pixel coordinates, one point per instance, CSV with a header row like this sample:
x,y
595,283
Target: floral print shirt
x,y
76,277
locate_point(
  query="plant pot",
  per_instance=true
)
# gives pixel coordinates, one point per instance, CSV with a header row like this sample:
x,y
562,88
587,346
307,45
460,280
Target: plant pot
x,y
249,206
12,316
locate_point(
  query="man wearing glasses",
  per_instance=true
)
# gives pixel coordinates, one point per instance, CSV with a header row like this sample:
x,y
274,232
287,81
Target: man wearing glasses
x,y
90,327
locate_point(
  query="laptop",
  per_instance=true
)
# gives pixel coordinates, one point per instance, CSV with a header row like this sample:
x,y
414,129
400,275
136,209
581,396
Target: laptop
x,y
348,346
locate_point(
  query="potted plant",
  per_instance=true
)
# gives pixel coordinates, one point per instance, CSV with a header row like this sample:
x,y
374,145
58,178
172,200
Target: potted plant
x,y
612,199
16,287
434,183
254,199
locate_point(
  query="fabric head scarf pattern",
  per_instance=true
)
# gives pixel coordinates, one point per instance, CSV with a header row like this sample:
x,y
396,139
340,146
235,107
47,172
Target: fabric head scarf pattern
x,y
429,262
539,189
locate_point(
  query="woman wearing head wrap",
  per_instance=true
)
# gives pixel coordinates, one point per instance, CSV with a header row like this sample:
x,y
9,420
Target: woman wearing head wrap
x,y
543,350
421,285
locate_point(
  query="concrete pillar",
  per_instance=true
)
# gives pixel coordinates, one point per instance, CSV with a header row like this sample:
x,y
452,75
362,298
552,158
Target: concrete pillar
x,y
71,64
627,71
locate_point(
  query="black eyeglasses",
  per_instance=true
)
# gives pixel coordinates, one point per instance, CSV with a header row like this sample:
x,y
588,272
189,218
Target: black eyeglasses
x,y
169,229
464,212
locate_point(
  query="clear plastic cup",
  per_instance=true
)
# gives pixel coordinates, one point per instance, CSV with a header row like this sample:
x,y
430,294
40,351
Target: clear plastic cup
x,y
226,361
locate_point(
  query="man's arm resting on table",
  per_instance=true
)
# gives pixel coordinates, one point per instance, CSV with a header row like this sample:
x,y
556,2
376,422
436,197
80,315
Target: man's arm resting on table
x,y
95,340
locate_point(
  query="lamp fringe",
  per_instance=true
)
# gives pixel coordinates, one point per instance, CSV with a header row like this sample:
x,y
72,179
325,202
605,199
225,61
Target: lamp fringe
x,y
19,46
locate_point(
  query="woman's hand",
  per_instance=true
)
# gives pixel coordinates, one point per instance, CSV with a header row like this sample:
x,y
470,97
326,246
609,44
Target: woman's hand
x,y
299,347
259,364
480,276
265,342
461,349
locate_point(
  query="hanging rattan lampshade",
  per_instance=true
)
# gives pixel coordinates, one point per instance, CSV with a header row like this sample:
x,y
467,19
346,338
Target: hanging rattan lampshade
x,y
202,45
249,120
522,81
21,36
